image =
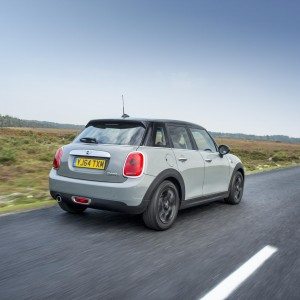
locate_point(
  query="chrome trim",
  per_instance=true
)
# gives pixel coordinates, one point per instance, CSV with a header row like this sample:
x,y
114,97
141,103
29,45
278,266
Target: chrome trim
x,y
182,159
92,153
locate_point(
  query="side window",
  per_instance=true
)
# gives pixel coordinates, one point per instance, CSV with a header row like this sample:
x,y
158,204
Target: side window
x,y
203,140
180,137
159,137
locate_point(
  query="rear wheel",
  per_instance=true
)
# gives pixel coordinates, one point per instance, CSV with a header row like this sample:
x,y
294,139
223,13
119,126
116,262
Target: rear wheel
x,y
72,208
236,189
163,207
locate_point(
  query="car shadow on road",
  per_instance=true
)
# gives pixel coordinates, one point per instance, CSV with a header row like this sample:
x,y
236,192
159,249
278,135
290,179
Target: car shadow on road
x,y
201,209
99,220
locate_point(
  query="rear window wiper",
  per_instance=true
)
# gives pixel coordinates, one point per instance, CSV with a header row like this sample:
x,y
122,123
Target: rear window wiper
x,y
88,140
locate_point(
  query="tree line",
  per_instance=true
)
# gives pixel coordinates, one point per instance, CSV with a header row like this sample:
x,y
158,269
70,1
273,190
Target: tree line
x,y
9,121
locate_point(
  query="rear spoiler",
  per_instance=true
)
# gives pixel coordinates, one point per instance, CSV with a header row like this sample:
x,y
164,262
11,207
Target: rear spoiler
x,y
117,122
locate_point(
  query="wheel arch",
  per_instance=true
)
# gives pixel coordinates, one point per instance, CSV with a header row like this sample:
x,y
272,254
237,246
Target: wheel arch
x,y
169,174
238,168
241,170
177,184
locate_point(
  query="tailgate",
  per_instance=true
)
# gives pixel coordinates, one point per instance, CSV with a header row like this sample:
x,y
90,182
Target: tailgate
x,y
94,162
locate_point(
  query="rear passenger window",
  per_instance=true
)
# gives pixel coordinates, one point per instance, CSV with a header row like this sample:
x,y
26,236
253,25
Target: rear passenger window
x,y
203,140
159,137
180,137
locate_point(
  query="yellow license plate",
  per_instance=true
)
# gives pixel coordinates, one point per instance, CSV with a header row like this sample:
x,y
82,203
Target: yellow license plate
x,y
90,163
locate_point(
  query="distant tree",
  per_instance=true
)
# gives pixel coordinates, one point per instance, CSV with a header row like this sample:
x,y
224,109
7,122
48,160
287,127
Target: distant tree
x,y
8,121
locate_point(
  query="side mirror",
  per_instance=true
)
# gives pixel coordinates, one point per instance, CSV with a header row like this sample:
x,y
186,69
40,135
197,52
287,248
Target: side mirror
x,y
223,149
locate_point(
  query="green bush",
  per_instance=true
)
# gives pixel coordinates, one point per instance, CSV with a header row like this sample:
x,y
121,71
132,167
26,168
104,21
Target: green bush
x,y
26,141
294,157
280,156
67,138
46,157
7,156
258,155
16,142
250,167
32,150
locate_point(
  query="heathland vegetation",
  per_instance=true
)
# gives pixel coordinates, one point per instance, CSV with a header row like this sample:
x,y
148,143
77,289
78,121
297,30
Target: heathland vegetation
x,y
8,121
26,158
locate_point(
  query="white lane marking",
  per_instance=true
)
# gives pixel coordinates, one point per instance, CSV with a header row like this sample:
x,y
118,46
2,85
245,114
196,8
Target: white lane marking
x,y
230,283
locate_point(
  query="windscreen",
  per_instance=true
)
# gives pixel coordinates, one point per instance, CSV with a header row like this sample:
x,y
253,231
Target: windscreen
x,y
112,133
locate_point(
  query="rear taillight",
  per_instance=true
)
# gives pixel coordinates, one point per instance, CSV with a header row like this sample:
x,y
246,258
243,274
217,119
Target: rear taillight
x,y
57,158
134,164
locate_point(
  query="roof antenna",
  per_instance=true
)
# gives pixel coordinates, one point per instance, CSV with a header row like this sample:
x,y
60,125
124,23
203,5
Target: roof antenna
x,y
124,116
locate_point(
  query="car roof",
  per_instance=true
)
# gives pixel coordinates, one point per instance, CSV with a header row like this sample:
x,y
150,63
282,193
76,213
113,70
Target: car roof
x,y
146,121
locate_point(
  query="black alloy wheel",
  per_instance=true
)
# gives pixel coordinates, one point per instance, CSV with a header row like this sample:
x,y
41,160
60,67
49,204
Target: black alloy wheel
x,y
163,207
236,189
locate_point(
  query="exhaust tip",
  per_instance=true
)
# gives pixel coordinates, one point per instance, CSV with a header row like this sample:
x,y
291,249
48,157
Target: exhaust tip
x,y
58,198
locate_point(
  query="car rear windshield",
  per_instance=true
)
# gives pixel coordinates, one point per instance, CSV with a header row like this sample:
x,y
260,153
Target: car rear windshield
x,y
117,133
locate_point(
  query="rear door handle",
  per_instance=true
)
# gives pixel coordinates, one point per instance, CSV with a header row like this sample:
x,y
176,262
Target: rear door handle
x,y
208,160
182,158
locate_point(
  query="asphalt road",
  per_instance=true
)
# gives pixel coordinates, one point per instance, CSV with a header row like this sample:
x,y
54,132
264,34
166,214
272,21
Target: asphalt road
x,y
102,255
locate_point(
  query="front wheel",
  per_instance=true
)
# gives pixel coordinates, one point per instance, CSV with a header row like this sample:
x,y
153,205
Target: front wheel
x,y
236,189
163,207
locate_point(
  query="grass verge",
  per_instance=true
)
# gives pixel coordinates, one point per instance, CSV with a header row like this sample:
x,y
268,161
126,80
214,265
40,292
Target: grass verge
x,y
26,207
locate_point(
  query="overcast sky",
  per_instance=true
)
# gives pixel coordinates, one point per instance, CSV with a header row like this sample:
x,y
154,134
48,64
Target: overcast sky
x,y
231,66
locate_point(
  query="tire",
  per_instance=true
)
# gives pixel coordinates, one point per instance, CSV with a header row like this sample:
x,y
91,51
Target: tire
x,y
236,189
72,208
163,207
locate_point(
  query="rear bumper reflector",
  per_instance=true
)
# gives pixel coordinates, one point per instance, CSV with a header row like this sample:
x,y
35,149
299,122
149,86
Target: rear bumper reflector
x,y
81,200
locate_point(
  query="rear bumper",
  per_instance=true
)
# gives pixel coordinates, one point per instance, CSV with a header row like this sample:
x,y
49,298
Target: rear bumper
x,y
128,196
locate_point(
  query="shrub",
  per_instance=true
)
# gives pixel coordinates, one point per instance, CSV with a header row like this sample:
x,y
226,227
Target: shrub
x,y
250,167
7,156
46,157
26,141
280,156
259,155
32,151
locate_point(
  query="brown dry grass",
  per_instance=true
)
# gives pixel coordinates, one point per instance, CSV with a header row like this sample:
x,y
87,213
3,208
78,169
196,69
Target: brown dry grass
x,y
259,155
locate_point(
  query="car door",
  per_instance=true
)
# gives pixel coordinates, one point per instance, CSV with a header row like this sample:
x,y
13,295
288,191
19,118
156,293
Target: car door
x,y
217,170
190,164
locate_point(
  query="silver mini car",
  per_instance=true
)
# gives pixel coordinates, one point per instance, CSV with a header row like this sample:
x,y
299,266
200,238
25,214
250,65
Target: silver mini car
x,y
143,166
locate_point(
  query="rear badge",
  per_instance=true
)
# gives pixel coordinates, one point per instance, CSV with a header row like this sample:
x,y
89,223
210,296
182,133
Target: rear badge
x,y
111,174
